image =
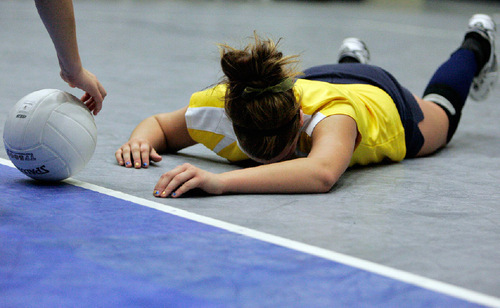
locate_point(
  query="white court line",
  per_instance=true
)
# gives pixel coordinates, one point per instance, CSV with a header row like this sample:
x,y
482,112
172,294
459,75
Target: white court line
x,y
427,283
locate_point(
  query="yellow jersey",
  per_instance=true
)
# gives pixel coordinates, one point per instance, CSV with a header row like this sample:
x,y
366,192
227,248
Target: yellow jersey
x,y
373,110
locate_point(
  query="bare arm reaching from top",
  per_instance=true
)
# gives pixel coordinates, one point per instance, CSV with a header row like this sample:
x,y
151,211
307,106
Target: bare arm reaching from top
x,y
58,17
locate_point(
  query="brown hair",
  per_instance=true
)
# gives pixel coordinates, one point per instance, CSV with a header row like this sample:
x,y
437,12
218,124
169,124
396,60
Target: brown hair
x,y
265,122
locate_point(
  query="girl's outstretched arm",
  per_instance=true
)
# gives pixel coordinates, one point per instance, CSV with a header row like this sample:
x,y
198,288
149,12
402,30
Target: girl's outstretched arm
x,y
161,133
334,141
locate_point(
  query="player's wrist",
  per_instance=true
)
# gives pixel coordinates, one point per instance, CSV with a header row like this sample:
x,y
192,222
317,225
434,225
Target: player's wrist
x,y
70,68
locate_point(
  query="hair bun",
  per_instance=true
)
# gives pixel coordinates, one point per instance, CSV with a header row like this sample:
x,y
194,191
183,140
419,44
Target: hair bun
x,y
258,65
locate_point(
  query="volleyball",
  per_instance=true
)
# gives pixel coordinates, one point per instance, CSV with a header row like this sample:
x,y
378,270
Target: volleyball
x,y
49,135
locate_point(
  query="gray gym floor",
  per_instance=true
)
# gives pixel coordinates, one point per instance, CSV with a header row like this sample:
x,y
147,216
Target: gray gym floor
x,y
437,217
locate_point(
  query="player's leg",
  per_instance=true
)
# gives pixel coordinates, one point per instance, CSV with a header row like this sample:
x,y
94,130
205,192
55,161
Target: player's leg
x,y
434,127
472,69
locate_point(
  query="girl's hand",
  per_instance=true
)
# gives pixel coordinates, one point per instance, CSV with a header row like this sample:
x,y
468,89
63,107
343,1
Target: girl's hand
x,y
86,81
183,178
136,152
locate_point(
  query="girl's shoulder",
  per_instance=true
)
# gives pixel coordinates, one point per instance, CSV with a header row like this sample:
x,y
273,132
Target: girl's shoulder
x,y
210,97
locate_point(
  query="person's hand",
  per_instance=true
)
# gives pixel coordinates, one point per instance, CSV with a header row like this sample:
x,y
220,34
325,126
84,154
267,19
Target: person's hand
x,y
137,153
184,178
86,81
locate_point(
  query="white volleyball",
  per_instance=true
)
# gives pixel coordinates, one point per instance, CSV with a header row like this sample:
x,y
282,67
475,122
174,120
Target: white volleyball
x,y
50,135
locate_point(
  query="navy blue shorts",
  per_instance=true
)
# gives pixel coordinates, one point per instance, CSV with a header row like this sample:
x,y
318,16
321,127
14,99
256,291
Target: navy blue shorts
x,y
355,73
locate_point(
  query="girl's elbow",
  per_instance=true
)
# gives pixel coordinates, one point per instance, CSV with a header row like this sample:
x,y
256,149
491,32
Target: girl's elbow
x,y
326,182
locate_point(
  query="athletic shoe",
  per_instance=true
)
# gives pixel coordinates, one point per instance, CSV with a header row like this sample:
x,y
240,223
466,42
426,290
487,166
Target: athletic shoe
x,y
354,48
488,76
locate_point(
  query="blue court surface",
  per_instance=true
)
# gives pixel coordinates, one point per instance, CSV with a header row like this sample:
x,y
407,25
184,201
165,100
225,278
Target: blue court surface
x,y
64,245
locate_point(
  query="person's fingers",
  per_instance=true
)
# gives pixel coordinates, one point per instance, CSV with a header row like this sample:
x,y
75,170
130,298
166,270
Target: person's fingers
x,y
85,97
126,155
99,99
102,90
91,105
191,181
155,156
169,181
159,190
119,157
135,151
145,149
88,82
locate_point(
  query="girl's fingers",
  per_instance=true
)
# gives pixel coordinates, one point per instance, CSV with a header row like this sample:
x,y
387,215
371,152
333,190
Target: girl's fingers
x,y
145,149
175,179
126,156
160,189
119,157
188,185
136,154
155,156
